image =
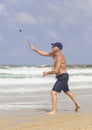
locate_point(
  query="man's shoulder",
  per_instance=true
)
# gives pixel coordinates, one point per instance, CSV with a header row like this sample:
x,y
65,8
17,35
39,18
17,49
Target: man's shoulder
x,y
50,54
60,57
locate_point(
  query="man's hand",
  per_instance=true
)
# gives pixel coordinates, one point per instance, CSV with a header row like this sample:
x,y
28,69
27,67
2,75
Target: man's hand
x,y
45,74
32,47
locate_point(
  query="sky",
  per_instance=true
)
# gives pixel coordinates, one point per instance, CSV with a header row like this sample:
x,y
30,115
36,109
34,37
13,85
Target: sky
x,y
45,22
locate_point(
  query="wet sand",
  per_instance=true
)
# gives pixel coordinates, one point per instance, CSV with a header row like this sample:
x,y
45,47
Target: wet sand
x,y
22,121
66,119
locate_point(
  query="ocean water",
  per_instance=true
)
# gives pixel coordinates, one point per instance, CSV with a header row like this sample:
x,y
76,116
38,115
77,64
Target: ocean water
x,y
21,85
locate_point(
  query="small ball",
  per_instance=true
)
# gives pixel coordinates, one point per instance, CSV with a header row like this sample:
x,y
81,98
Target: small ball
x,y
20,30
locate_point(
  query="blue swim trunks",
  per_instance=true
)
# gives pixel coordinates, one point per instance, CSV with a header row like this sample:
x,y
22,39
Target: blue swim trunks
x,y
61,83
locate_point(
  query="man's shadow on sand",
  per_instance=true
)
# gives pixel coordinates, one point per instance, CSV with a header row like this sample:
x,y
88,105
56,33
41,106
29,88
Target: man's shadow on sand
x,y
42,110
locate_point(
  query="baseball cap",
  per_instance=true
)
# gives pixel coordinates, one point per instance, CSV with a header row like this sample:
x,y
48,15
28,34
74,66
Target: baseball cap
x,y
57,44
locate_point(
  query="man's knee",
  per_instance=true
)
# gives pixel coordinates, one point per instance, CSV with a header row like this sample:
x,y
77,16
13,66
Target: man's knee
x,y
67,92
53,93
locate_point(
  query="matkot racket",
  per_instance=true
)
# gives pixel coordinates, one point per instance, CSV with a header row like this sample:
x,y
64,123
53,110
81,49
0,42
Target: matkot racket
x,y
27,39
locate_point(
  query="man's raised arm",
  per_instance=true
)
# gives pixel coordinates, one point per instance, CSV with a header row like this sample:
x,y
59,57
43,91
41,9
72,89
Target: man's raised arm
x,y
40,52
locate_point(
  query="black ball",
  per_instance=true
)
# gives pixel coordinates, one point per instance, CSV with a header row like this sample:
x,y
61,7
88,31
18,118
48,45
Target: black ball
x,y
20,30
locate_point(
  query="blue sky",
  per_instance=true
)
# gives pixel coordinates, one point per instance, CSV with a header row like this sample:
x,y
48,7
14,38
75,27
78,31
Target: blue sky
x,y
44,22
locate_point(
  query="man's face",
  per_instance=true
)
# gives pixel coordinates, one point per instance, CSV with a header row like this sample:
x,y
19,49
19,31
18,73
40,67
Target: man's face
x,y
54,48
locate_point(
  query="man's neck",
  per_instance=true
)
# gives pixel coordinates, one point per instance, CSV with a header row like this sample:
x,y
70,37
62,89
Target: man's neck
x,y
57,53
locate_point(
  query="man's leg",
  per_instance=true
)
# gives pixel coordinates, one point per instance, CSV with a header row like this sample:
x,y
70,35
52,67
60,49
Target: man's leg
x,y
71,95
54,102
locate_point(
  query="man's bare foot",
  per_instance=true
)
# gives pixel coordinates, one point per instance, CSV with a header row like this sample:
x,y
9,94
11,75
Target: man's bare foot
x,y
77,108
52,113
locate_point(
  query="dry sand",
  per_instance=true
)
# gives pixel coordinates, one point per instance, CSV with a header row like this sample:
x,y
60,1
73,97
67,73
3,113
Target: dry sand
x,y
22,120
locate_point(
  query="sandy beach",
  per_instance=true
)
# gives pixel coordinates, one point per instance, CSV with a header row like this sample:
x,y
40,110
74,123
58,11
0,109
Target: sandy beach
x,y
21,120
37,118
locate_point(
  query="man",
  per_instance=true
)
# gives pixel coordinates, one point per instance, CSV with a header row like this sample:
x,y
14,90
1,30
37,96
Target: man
x,y
60,72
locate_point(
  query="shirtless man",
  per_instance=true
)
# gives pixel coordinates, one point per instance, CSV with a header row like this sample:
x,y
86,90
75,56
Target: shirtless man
x,y
61,74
